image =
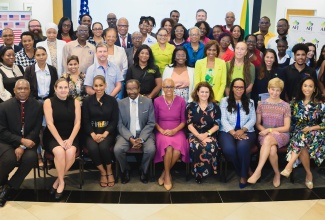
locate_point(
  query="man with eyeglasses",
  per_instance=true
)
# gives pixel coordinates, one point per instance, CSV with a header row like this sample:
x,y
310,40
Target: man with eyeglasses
x,y
34,26
282,28
124,38
136,42
264,26
111,20
8,39
81,48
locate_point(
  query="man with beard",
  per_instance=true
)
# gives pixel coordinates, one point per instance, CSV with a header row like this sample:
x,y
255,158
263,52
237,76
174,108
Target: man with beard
x,y
8,39
34,26
111,20
282,28
103,67
294,73
81,48
20,124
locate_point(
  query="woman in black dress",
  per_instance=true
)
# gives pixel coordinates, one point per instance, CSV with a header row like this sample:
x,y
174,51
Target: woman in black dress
x,y
99,118
63,116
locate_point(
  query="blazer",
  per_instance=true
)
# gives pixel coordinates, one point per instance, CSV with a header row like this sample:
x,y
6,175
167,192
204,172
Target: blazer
x,y
146,118
119,59
168,74
129,55
10,123
59,49
16,48
128,43
30,76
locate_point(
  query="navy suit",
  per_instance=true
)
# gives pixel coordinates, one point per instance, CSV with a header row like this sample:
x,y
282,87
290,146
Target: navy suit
x,y
16,48
128,43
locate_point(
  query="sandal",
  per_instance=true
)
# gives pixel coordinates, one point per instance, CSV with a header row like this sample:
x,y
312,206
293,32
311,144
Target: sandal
x,y
112,182
40,162
102,183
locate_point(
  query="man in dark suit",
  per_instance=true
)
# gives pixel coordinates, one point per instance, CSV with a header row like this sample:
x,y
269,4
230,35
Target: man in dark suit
x,y
137,42
123,37
20,124
135,126
8,39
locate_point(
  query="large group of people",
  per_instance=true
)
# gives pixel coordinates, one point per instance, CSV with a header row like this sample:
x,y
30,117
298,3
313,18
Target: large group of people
x,y
176,94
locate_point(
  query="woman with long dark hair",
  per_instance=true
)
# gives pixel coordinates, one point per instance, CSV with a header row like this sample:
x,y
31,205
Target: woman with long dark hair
x,y
65,30
179,35
237,34
237,135
204,31
311,55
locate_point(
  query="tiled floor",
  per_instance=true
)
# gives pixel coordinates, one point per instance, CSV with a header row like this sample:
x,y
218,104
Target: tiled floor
x,y
212,199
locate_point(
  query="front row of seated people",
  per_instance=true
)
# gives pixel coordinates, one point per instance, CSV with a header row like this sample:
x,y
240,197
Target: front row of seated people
x,y
136,117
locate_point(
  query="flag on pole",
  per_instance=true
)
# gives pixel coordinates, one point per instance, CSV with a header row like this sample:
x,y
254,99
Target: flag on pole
x,y
84,9
244,18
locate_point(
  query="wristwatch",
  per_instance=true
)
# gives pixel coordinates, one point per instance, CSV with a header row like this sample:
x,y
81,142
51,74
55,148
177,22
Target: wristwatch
x,y
22,146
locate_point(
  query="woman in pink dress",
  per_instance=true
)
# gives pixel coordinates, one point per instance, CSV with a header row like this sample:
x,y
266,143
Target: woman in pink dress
x,y
273,121
170,138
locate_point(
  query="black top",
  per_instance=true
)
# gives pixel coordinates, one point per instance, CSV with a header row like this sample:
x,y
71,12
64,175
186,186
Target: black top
x,y
93,113
63,113
146,77
293,78
9,83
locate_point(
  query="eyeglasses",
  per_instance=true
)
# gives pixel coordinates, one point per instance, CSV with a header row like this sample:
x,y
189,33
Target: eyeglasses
x,y
132,89
9,35
264,22
122,26
162,35
282,26
251,42
97,29
111,19
136,38
225,41
66,25
238,87
168,87
194,35
179,31
35,26
83,31
180,55
143,26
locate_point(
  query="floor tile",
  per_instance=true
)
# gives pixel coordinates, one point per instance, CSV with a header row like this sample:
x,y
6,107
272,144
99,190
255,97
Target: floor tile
x,y
173,212
320,192
12,210
145,198
315,212
40,196
94,197
93,212
196,197
244,196
291,194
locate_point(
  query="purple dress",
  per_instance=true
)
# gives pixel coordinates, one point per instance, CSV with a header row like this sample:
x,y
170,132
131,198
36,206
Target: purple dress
x,y
170,119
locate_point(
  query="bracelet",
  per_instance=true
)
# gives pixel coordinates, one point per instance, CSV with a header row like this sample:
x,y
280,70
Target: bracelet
x,y
209,132
270,130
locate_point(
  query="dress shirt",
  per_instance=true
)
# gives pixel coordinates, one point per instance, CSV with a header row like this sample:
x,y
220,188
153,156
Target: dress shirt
x,y
149,40
284,59
136,100
267,36
43,81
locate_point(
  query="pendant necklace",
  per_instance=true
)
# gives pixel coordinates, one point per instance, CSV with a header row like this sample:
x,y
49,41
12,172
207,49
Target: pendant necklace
x,y
169,105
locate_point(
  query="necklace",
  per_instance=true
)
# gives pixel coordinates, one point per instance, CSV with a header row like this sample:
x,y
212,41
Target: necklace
x,y
250,55
169,105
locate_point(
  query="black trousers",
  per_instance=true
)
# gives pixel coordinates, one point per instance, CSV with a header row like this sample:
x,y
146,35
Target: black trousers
x,y
8,162
100,153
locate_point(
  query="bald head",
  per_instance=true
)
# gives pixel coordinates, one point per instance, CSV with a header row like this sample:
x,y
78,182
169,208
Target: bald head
x,y
122,26
111,20
230,19
22,89
168,81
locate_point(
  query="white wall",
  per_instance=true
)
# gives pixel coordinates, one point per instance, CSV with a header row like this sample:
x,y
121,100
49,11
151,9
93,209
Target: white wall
x,y
160,9
42,9
268,8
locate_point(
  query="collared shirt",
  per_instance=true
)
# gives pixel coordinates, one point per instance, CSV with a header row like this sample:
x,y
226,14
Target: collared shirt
x,y
136,100
229,119
149,40
194,55
93,42
267,36
111,73
23,60
86,54
284,59
293,77
43,81
273,45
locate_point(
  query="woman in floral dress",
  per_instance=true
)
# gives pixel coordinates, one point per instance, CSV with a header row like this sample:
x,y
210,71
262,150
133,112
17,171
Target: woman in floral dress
x,y
308,124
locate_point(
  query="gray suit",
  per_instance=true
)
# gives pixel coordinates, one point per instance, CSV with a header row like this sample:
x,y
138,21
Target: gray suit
x,y
147,124
129,53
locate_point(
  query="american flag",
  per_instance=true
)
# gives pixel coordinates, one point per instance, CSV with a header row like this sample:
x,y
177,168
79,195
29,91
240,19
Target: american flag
x,y
17,34
84,9
25,17
8,24
20,24
3,17
13,17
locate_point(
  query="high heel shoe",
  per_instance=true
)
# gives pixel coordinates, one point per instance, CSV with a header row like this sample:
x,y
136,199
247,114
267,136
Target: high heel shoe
x,y
160,181
58,195
198,179
52,191
309,184
253,181
286,173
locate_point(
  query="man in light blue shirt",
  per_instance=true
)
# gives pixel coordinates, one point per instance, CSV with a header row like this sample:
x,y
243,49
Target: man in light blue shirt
x,y
103,67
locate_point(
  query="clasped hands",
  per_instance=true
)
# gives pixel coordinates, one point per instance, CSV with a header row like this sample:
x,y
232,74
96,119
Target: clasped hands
x,y
267,131
136,142
20,151
204,138
98,137
168,132
66,144
239,134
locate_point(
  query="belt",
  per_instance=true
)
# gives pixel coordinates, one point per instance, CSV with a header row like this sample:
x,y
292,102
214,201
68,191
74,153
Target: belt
x,y
99,124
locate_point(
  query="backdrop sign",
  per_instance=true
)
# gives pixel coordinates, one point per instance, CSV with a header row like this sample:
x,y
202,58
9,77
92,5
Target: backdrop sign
x,y
308,29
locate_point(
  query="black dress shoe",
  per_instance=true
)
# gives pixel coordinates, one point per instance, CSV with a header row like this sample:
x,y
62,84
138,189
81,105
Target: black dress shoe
x,y
58,195
125,177
144,177
52,191
4,195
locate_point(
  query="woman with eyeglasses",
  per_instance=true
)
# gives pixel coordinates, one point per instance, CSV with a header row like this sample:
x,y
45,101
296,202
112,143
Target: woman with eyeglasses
x,y
97,30
152,25
225,40
146,72
65,30
195,48
143,28
162,51
9,73
86,19
273,122
171,143
254,55
181,74
212,70
54,47
179,35
237,134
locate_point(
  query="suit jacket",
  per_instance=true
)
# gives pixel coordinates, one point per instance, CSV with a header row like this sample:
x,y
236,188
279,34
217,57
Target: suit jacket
x,y
129,54
128,43
10,123
16,48
146,118
59,49
30,76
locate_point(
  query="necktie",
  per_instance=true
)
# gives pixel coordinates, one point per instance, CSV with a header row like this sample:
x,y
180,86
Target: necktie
x,y
133,129
123,41
238,117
